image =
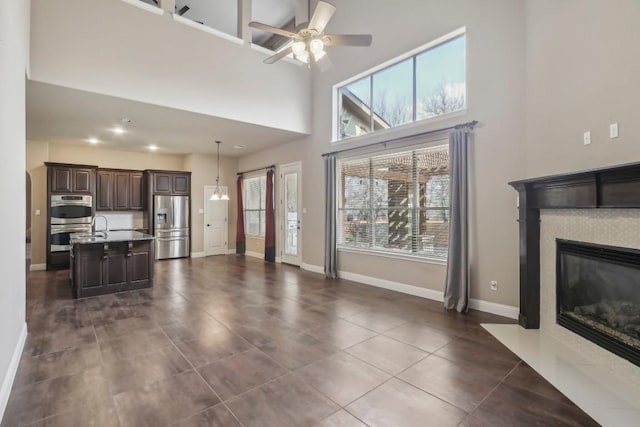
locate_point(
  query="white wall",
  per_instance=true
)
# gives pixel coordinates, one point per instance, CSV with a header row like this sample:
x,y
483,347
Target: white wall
x,y
14,45
113,48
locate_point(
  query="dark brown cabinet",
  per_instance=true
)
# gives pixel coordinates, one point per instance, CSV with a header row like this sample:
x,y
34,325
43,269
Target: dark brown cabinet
x,y
181,184
66,179
98,269
170,183
104,199
162,183
120,190
136,199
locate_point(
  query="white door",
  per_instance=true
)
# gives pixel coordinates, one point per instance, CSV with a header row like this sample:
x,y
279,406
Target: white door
x,y
291,222
215,223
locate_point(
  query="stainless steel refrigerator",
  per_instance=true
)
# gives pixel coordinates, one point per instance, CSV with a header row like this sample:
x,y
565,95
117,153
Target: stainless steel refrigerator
x,y
171,226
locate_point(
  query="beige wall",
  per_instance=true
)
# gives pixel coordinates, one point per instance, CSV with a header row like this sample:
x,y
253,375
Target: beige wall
x,y
496,84
583,73
38,152
203,172
108,158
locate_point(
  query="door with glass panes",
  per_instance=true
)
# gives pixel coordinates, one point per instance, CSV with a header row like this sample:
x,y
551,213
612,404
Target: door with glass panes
x,y
291,221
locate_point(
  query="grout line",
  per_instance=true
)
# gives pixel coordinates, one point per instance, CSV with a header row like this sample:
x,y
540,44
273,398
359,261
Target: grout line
x,y
491,391
113,400
220,401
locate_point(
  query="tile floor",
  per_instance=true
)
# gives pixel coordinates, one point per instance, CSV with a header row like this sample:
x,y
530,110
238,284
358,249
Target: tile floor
x,y
232,341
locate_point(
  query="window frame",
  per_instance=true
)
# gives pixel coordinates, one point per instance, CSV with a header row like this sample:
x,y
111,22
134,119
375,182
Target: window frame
x,y
261,212
337,99
380,251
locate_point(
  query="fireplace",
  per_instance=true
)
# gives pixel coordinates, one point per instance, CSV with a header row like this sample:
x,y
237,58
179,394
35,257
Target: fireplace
x,y
598,295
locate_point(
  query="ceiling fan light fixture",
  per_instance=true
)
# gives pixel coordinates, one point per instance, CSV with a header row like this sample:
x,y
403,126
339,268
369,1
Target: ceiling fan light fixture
x,y
304,57
299,48
317,47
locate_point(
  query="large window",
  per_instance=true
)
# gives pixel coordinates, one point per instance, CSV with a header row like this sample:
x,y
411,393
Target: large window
x,y
255,190
396,203
422,86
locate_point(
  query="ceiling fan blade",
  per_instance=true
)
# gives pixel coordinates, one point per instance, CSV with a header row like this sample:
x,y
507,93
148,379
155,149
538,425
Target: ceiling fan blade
x,y
271,29
321,16
278,56
347,40
183,10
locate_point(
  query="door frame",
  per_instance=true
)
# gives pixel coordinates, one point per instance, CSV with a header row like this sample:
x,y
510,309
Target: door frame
x,y
281,215
204,220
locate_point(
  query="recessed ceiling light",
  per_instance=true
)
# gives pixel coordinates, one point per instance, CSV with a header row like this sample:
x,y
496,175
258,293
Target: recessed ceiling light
x,y
239,146
152,147
118,130
93,140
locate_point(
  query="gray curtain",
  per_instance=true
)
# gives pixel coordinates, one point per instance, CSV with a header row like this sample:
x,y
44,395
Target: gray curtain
x,y
456,291
330,251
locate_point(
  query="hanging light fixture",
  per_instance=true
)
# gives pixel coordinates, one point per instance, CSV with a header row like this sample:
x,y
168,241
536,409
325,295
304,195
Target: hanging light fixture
x,y
219,194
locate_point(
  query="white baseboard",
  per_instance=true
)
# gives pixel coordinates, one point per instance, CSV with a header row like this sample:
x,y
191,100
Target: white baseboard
x,y
393,286
488,307
312,268
198,254
37,267
494,308
10,375
231,251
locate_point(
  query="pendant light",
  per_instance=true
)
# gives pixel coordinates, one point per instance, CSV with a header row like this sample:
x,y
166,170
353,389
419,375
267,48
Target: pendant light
x,y
218,194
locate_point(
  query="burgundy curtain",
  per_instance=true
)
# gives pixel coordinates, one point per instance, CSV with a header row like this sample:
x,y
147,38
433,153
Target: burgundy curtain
x,y
270,224
240,238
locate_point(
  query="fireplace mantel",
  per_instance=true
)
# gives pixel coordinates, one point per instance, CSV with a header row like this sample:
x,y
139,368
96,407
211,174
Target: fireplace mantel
x,y
608,187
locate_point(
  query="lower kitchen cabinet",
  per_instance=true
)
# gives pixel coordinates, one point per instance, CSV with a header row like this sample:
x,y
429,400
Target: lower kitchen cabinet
x,y
103,268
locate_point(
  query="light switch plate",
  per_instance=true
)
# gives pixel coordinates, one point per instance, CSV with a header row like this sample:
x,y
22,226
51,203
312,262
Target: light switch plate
x,y
37,212
587,137
613,130
200,211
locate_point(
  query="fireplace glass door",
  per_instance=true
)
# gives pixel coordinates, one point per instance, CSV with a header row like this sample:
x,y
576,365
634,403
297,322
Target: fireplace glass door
x,y
598,295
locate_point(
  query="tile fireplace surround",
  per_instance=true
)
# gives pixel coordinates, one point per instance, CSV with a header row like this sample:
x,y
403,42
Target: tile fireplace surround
x,y
599,206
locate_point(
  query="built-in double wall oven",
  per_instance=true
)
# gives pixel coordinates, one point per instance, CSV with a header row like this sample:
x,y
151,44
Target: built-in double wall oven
x,y
69,213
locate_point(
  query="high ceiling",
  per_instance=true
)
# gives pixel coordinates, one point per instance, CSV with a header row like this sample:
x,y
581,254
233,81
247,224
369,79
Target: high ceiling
x,y
62,115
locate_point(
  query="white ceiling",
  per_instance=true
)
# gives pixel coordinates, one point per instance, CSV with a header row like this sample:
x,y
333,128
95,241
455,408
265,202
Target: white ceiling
x,y
70,116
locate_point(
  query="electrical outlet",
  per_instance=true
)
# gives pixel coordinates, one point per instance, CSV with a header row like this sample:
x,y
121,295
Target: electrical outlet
x,y
613,130
494,285
587,137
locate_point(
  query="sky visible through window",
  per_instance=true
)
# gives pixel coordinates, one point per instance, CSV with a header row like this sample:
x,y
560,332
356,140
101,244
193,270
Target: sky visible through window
x,y
440,85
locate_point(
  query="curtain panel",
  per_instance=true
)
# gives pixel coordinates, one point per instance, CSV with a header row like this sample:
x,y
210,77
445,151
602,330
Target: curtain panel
x,y
456,292
270,222
240,237
330,240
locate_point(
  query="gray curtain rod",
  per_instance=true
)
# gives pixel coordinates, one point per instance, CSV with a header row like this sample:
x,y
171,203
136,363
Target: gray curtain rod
x,y
257,169
470,124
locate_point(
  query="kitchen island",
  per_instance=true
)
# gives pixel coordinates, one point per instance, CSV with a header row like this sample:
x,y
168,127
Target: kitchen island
x,y
108,262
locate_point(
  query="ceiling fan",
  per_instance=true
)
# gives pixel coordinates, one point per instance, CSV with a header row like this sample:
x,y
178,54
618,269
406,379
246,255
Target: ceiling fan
x,y
310,42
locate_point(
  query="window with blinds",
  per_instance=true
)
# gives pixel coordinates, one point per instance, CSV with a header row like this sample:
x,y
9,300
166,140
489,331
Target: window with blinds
x,y
396,203
255,190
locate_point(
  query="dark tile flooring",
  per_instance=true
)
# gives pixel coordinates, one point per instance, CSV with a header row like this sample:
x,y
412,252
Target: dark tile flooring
x,y
232,341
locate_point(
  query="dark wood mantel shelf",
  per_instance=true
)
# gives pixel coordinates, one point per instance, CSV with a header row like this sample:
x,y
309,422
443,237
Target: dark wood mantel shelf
x,y
608,187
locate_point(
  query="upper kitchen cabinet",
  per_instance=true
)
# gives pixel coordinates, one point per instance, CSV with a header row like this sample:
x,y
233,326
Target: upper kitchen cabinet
x,y
120,190
66,178
169,183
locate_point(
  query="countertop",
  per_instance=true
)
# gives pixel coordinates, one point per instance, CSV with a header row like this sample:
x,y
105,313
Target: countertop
x,y
111,237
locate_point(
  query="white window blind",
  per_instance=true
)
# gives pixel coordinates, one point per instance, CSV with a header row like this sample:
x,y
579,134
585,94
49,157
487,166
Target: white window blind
x,y
396,203
255,190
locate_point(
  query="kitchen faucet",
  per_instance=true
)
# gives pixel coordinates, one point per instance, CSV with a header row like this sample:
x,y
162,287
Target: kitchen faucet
x,y
106,224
